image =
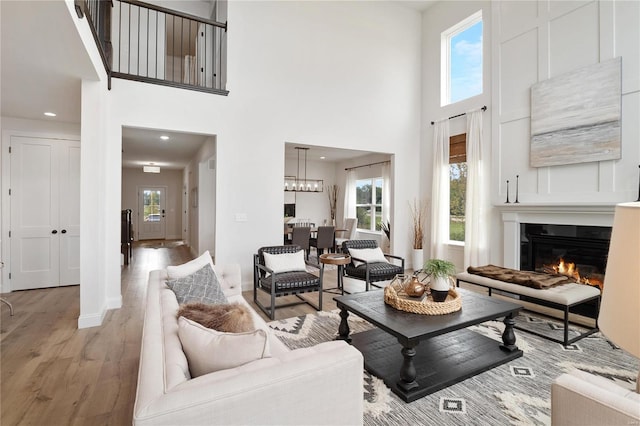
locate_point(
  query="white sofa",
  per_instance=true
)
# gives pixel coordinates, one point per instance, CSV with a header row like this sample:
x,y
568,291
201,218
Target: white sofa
x,y
317,385
581,399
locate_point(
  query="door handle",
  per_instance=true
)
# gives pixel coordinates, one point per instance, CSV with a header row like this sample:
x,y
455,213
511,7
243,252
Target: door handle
x,y
55,231
64,231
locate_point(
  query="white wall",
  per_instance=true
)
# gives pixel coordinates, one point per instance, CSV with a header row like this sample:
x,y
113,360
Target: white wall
x,y
344,74
134,178
312,206
527,42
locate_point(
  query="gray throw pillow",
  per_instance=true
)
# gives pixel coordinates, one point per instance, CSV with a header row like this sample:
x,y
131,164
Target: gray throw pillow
x,y
201,286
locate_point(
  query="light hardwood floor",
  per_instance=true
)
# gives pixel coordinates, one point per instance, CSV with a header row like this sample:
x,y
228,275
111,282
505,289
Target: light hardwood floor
x,y
51,373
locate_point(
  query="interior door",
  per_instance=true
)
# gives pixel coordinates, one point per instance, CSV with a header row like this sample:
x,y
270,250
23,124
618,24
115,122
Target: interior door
x,y
69,233
35,236
151,214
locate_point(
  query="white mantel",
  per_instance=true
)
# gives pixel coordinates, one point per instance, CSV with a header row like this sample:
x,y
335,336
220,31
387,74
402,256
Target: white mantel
x,y
513,214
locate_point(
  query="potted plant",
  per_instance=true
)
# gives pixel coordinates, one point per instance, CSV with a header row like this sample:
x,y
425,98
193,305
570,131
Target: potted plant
x,y
439,270
418,214
386,239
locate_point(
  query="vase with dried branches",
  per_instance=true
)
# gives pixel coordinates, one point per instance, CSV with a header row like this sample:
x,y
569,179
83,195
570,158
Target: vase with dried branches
x,y
332,193
418,211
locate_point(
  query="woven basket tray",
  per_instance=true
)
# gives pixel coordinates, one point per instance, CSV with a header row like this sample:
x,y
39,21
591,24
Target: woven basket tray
x,y
395,296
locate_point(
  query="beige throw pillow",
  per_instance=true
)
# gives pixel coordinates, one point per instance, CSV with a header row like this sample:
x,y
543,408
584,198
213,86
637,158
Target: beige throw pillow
x,y
181,271
209,350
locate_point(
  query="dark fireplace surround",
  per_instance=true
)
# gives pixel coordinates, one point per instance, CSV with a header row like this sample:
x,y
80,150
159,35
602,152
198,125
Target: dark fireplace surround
x,y
543,246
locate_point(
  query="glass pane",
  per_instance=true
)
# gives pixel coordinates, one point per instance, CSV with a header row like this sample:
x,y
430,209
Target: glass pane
x,y
466,63
364,217
457,199
378,218
363,191
378,191
151,206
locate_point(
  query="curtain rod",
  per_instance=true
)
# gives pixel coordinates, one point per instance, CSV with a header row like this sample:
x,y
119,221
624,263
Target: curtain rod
x,y
484,108
367,165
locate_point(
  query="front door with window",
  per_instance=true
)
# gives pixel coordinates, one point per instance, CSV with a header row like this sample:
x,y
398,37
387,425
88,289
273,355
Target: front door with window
x,y
151,213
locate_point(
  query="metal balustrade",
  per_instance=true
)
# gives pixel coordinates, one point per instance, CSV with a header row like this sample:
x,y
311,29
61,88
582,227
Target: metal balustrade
x,y
144,42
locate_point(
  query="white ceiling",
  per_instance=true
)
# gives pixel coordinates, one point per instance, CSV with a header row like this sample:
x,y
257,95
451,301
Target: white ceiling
x,y
144,146
315,152
42,61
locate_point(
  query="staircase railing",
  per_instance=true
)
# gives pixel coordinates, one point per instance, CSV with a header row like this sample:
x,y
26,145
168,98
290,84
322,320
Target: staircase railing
x,y
143,42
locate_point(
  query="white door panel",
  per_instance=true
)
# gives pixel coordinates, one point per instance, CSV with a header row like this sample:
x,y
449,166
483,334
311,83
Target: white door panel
x,y
70,216
36,208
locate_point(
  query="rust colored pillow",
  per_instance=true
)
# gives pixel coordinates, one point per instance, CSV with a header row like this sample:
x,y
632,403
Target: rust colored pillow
x,y
228,318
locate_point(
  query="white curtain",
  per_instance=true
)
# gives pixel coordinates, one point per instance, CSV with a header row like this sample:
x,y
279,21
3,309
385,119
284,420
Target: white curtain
x,y
440,190
476,220
350,195
386,191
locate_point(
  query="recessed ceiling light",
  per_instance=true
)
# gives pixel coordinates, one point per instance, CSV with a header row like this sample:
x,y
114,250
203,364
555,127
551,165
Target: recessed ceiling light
x,y
50,114
164,137
323,157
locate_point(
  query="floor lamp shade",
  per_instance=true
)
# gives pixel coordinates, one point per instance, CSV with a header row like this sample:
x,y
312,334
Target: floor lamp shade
x,y
619,318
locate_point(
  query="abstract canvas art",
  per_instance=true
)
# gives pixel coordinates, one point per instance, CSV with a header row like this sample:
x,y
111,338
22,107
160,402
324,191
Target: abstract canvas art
x,y
575,117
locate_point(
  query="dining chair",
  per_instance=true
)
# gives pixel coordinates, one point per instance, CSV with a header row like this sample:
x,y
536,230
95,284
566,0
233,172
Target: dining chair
x,y
351,226
300,237
323,240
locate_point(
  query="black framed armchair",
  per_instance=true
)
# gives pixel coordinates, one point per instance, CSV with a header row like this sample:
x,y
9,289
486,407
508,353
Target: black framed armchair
x,y
284,275
372,269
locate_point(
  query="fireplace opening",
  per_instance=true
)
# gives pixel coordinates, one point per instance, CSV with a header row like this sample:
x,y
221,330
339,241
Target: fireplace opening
x,y
579,252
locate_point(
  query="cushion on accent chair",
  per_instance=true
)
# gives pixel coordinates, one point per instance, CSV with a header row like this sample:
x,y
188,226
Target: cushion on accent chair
x,y
371,255
201,286
208,350
285,262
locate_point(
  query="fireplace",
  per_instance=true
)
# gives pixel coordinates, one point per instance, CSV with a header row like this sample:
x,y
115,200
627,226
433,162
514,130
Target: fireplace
x,y
577,251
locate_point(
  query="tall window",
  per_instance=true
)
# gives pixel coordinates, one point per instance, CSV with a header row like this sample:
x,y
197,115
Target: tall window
x,y
461,62
458,185
369,204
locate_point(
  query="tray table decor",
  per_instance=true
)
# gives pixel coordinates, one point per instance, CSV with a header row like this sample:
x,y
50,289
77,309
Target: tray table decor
x,y
396,297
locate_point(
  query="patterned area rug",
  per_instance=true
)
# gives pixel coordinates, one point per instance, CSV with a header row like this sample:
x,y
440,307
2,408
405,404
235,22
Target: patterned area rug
x,y
516,393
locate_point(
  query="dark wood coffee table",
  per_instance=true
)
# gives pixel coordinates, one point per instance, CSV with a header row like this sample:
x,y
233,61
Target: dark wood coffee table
x,y
447,353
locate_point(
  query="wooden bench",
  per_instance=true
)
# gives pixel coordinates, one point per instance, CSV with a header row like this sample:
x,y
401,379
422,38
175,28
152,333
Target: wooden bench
x,y
563,297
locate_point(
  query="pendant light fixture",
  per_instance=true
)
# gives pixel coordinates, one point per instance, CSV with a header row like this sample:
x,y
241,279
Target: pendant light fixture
x,y
302,184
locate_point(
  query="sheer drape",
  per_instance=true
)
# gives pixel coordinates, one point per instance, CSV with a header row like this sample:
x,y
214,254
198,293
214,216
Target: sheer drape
x,y
350,195
386,192
440,190
476,221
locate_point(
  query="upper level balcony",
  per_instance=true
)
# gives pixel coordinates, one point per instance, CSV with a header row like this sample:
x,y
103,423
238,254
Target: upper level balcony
x,y
144,42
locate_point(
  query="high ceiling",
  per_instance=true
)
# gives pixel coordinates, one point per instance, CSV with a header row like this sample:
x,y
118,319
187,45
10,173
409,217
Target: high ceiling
x,y
43,64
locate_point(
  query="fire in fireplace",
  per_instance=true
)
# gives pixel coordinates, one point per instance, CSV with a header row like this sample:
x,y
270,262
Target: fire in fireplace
x,y
578,252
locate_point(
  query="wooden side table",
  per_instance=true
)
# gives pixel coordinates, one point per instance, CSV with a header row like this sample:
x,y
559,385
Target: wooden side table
x,y
335,259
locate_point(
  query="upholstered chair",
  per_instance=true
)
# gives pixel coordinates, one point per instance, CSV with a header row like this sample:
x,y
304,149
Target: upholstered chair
x,y
369,264
282,271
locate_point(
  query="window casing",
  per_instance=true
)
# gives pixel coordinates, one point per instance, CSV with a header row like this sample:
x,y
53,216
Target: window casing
x,y
369,204
461,60
457,186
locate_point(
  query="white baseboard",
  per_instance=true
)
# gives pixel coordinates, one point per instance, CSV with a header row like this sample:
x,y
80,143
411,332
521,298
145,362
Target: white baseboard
x,y
173,237
93,320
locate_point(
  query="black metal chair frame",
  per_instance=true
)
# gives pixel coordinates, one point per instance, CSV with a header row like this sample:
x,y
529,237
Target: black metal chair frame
x,y
260,271
368,244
